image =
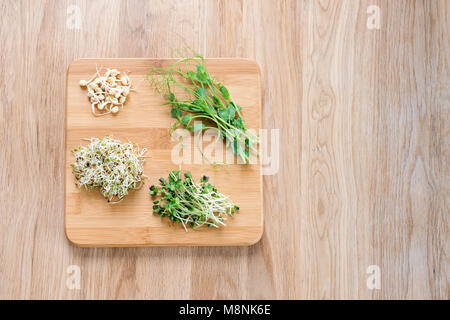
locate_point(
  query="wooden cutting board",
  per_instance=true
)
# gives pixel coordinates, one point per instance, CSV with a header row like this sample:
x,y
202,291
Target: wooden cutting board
x,y
91,222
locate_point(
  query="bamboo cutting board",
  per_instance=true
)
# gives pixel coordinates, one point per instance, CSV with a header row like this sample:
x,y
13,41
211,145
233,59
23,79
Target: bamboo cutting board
x,y
91,222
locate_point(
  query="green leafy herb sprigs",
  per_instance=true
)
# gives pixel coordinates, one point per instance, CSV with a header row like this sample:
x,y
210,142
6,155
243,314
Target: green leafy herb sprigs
x,y
203,103
192,204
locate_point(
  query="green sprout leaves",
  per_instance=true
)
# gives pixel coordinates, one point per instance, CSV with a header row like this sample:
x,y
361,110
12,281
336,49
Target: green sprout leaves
x,y
194,205
202,98
175,112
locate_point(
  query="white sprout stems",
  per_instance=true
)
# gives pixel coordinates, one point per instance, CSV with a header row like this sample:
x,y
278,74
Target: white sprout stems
x,y
119,94
112,167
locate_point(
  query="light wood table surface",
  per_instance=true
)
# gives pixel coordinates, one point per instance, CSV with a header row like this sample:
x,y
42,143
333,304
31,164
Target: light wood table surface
x,y
363,180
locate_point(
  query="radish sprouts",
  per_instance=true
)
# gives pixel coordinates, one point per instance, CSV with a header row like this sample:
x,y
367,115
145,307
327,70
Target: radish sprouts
x,y
192,204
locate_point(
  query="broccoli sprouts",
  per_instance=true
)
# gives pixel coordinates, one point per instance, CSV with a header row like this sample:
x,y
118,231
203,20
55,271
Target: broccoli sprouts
x,y
192,204
112,167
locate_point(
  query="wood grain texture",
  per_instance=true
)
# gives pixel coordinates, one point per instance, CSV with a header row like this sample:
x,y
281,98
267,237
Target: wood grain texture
x,y
91,222
364,148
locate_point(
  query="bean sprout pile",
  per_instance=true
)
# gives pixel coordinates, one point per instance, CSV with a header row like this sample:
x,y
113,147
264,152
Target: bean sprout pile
x,y
107,93
112,167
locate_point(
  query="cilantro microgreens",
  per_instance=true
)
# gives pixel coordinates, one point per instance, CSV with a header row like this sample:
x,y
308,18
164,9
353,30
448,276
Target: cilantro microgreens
x,y
206,99
192,204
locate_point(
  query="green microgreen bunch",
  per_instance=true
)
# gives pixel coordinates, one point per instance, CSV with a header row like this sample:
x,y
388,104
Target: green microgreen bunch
x,y
112,167
204,103
192,204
